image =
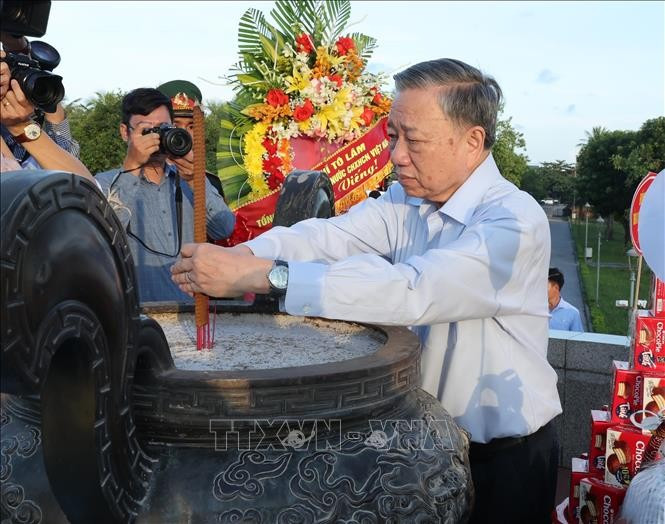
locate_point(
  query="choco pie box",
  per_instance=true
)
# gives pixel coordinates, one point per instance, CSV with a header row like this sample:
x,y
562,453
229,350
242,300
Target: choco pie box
x,y
648,342
653,394
579,470
624,453
626,393
600,421
599,502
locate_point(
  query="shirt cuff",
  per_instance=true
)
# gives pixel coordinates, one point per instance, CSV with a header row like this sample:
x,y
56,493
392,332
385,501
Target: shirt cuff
x,y
61,128
305,290
262,248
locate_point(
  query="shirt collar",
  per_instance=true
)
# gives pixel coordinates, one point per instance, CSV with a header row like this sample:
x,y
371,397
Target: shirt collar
x,y
461,205
170,171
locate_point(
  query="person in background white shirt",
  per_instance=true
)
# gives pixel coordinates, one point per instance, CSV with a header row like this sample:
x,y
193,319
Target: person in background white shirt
x,y
564,316
454,251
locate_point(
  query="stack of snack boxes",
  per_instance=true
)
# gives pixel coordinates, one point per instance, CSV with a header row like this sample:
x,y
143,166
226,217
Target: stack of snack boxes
x,y
619,440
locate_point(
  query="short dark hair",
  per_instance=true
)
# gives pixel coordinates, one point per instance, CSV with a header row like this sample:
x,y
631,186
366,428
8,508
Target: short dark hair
x,y
143,101
468,95
556,276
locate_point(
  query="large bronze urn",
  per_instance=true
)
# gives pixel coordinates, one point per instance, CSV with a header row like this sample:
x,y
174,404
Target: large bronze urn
x,y
99,425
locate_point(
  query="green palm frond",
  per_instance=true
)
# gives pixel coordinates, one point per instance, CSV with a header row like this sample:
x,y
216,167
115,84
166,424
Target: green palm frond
x,y
295,16
230,166
252,25
365,45
335,15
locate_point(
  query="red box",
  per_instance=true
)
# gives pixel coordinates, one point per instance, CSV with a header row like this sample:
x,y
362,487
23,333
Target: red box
x,y
578,471
626,392
600,421
657,297
653,395
599,502
648,342
624,453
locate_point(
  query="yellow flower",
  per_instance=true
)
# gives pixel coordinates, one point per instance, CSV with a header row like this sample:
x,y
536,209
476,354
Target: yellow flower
x,y
298,81
331,115
253,160
304,125
356,121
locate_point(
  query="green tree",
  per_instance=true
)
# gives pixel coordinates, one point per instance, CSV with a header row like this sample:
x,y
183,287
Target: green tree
x,y
95,126
646,154
600,182
555,180
506,151
559,180
534,183
212,122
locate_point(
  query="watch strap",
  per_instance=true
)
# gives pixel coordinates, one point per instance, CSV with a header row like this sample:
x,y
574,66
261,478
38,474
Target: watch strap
x,y
22,138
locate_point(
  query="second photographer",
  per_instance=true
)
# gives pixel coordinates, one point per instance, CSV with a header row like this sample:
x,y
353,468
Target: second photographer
x,y
154,204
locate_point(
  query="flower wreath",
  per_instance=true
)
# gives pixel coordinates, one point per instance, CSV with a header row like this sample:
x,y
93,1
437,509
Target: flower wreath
x,y
296,78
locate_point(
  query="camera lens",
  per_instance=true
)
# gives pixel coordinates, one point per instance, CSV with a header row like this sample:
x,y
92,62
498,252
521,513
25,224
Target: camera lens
x,y
44,90
176,141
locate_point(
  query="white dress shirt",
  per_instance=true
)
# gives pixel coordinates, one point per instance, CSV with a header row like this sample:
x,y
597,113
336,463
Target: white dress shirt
x,y
469,277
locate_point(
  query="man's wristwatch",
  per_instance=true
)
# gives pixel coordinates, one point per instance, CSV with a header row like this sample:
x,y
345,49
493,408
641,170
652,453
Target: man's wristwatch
x,y
31,132
278,278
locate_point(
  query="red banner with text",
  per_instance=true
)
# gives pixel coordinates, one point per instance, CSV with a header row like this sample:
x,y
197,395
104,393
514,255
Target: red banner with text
x,y
359,166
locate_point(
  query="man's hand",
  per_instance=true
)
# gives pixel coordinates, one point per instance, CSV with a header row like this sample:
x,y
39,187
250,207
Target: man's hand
x,y
16,109
185,165
5,76
140,148
220,272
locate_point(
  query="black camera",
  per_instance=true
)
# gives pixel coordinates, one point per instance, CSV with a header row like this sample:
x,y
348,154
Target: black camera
x,y
173,140
32,72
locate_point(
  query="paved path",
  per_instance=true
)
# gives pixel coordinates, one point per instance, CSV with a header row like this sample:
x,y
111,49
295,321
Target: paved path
x,y
563,257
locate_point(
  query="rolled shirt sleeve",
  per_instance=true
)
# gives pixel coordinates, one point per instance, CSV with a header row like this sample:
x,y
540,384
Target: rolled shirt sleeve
x,y
348,270
62,135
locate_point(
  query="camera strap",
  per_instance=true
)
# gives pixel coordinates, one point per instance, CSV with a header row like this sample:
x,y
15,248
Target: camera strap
x,y
178,210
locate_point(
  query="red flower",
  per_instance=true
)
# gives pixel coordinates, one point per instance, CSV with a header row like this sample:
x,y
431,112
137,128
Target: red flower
x,y
270,146
304,43
378,97
275,180
272,164
277,97
367,116
344,45
337,79
303,112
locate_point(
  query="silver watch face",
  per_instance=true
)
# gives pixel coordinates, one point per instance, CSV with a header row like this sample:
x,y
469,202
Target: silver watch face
x,y
32,131
279,277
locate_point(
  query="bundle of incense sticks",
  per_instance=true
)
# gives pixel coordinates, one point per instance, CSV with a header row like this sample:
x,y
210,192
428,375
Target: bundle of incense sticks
x,y
205,337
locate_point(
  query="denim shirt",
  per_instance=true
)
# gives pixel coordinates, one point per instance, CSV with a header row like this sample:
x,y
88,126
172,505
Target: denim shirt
x,y
148,212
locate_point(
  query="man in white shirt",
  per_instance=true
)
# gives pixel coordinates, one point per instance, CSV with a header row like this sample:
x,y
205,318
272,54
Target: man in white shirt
x,y
456,252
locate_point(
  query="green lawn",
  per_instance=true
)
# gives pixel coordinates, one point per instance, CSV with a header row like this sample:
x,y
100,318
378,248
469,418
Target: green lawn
x,y
614,282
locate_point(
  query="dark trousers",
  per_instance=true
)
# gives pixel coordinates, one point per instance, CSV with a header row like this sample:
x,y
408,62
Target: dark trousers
x,y
515,479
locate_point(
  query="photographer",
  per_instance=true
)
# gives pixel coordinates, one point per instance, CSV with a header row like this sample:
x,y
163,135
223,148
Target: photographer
x,y
22,137
151,200
184,97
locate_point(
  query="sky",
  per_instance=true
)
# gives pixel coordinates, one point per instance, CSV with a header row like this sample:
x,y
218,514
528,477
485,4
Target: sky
x,y
564,67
